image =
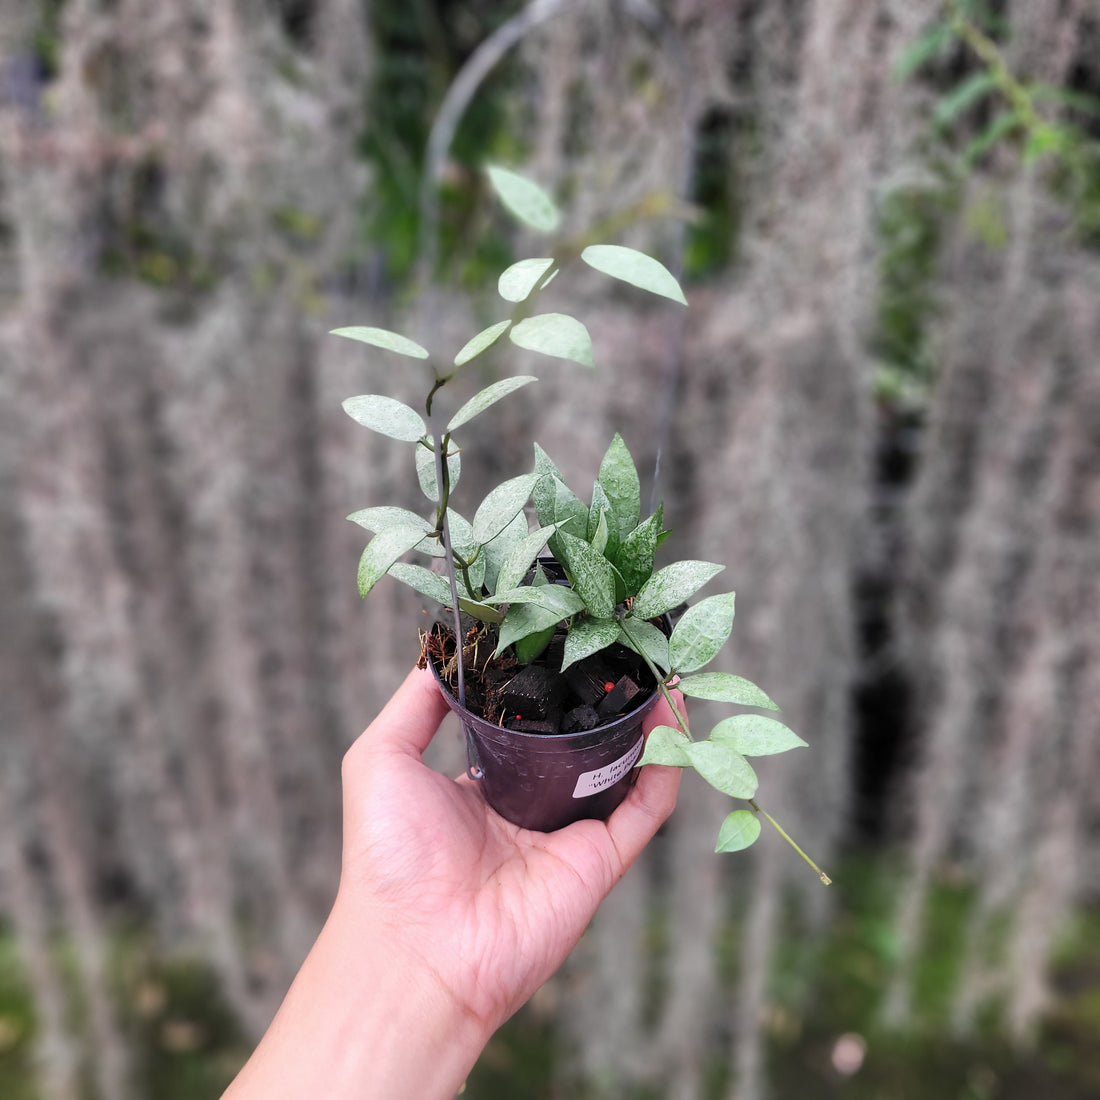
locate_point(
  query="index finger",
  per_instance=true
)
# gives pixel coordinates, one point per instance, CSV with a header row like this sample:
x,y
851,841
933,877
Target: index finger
x,y
652,798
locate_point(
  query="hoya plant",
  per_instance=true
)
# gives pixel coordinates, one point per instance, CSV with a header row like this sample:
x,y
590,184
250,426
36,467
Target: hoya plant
x,y
489,572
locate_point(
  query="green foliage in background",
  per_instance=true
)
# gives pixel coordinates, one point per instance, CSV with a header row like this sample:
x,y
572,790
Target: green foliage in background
x,y
912,221
984,107
188,1049
986,126
825,992
420,48
712,237
17,1025
183,1041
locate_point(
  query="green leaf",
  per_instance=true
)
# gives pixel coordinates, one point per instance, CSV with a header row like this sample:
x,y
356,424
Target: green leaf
x,y
619,478
383,338
739,831
425,469
723,768
437,588
647,640
522,620
488,396
723,687
557,504
634,267
555,334
383,517
531,645
591,574
544,464
497,551
462,538
635,557
999,128
588,636
525,199
598,539
666,745
603,527
501,506
386,415
701,633
756,735
563,601
601,505
382,551
1042,140
964,96
478,610
378,519
521,557
671,586
424,581
477,344
922,50
620,584
516,282
1065,97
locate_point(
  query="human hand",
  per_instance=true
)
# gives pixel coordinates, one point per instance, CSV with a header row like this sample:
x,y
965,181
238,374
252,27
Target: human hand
x,y
447,919
491,908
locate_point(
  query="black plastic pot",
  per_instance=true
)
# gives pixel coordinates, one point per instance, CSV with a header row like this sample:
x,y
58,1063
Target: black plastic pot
x,y
545,781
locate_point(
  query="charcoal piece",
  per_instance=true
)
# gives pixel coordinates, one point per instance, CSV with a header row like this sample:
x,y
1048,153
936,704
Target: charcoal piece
x,y
580,719
618,698
530,694
495,680
589,679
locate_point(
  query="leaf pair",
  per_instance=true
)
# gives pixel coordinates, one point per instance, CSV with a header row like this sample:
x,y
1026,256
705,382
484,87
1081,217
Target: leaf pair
x,y
721,758
531,205
558,334
393,418
397,531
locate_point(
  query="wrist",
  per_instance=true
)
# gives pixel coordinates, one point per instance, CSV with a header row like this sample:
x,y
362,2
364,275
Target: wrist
x,y
364,1020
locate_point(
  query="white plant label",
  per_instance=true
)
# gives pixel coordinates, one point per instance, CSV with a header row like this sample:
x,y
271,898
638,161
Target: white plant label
x,y
593,782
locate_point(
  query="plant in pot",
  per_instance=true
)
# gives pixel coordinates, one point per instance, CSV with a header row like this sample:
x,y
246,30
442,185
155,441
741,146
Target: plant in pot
x,y
552,659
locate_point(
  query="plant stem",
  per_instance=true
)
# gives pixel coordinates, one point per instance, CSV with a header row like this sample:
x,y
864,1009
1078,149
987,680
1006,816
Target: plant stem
x,y
662,686
988,51
437,386
444,527
825,880
681,721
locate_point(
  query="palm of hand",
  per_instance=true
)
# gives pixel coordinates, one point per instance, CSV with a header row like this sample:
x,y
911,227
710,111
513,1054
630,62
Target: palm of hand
x,y
489,908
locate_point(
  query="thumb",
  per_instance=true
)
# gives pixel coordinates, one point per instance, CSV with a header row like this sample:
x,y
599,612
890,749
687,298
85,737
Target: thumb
x,y
410,719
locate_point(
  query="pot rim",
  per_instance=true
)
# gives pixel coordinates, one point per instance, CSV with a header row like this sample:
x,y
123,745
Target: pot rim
x,y
602,730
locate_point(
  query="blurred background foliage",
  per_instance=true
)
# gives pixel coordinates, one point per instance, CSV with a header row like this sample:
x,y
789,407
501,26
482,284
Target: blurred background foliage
x,y
882,411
